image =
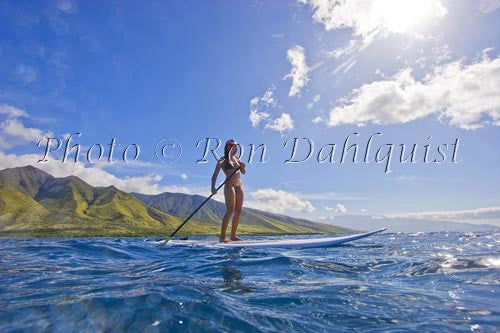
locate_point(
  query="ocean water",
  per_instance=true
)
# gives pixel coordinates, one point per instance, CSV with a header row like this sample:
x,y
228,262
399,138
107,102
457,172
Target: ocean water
x,y
386,283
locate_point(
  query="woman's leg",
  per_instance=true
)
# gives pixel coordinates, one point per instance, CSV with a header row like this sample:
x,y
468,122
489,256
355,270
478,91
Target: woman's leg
x,y
229,197
237,212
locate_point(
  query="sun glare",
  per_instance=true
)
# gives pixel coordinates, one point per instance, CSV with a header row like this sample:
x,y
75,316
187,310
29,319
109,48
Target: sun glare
x,y
407,15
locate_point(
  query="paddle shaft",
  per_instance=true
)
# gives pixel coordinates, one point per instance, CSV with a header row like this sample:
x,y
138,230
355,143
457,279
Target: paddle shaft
x,y
197,209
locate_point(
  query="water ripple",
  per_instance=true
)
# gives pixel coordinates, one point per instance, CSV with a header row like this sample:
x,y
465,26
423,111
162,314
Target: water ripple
x,y
391,282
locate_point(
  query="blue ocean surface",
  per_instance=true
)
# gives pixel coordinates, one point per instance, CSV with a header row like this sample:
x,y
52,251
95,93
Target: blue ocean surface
x,y
392,282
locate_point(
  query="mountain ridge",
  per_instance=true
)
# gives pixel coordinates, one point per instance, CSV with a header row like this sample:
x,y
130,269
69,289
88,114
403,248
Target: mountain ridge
x,y
33,203
400,224
176,204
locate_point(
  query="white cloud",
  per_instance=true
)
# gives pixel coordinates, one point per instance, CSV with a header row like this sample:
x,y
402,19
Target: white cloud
x,y
266,100
299,71
465,96
12,130
479,215
11,111
278,201
370,20
339,208
441,54
94,176
375,17
379,73
317,120
283,123
184,176
257,116
259,107
488,6
314,101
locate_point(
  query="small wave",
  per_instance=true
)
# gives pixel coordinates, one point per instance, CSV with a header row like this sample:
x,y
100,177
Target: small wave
x,y
442,282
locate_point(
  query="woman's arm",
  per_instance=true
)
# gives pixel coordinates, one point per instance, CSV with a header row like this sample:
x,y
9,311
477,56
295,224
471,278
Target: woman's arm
x,y
242,166
214,176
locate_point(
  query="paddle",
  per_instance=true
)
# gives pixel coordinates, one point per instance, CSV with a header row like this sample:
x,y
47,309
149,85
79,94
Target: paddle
x,y
196,210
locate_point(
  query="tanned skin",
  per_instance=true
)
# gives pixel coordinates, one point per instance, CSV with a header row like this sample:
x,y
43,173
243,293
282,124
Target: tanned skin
x,y
233,195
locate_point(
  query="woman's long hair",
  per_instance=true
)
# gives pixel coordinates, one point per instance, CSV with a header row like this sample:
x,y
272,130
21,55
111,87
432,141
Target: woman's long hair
x,y
227,148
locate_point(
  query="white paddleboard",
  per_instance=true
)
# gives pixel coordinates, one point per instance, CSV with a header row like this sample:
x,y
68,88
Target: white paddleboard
x,y
298,243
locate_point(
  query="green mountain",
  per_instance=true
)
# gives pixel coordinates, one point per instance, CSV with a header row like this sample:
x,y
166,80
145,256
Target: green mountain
x,y
35,204
251,220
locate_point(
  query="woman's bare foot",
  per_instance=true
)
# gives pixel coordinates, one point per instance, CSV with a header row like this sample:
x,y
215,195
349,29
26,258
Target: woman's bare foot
x,y
225,240
236,238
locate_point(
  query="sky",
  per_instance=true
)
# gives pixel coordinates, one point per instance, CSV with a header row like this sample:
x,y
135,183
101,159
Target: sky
x,y
146,73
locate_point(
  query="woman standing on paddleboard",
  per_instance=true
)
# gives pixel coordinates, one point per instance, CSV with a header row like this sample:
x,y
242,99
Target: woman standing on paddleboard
x,y
233,189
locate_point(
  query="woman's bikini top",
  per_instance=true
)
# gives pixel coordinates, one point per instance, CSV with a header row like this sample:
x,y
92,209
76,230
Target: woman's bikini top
x,y
233,168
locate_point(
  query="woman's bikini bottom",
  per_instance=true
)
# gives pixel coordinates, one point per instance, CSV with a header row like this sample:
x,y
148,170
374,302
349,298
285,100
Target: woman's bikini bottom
x,y
236,187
